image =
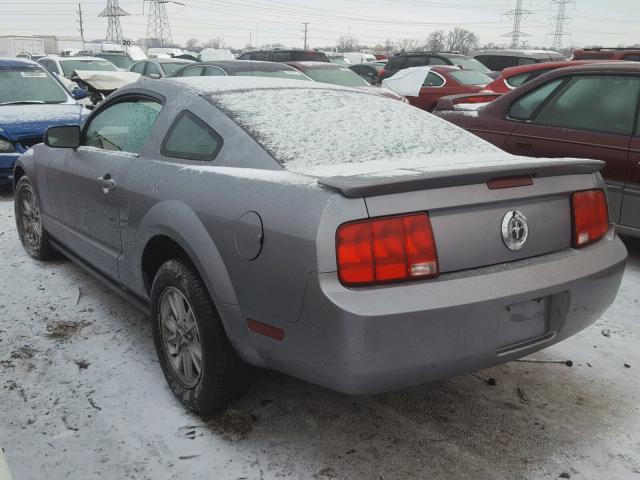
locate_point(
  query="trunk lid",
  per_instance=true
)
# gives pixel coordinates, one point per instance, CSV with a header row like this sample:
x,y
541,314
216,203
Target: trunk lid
x,y
467,215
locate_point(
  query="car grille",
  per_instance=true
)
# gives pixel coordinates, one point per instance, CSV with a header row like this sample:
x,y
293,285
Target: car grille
x,y
29,142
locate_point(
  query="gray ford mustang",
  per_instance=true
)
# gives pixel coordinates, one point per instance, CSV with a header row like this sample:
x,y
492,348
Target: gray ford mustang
x,y
343,238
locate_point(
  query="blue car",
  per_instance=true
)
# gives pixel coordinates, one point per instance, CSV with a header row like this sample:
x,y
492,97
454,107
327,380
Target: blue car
x,y
31,101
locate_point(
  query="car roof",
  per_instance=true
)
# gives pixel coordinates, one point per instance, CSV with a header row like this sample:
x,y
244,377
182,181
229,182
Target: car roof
x,y
223,84
318,65
244,65
520,69
62,59
519,53
604,67
18,62
285,50
170,60
419,54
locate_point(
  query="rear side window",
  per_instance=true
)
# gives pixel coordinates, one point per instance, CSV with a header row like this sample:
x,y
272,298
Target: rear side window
x,y
214,72
523,78
606,104
395,62
497,63
152,69
417,61
281,57
123,126
433,80
192,139
525,106
139,67
632,58
526,61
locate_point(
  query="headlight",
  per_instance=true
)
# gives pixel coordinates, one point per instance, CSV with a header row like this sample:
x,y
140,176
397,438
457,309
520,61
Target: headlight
x,y
6,146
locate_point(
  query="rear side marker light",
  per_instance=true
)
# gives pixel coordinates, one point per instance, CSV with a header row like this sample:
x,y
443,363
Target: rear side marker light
x,y
265,329
590,217
386,249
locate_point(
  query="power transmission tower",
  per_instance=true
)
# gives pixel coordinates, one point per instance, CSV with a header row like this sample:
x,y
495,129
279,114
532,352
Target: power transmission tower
x,y
518,14
113,12
306,31
81,24
561,21
158,24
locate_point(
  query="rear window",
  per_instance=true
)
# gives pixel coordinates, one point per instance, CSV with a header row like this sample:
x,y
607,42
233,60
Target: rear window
x,y
336,132
470,77
291,74
120,61
336,76
309,57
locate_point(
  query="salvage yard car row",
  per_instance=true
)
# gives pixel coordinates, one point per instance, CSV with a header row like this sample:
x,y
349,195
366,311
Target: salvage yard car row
x,y
303,225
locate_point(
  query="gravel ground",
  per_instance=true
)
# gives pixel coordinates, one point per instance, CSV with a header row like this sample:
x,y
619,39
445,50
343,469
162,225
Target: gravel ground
x,y
82,396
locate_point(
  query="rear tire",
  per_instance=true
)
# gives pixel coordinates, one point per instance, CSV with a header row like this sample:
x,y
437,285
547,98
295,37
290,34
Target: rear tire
x,y
33,236
197,359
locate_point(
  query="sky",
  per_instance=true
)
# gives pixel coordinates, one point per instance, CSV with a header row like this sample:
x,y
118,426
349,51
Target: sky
x,y
594,22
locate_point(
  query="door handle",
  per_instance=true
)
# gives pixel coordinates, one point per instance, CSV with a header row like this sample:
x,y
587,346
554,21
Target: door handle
x,y
527,146
106,183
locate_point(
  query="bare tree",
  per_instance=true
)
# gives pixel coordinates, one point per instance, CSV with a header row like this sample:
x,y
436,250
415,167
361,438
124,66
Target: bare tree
x,y
408,44
436,41
214,43
192,44
347,43
461,40
389,46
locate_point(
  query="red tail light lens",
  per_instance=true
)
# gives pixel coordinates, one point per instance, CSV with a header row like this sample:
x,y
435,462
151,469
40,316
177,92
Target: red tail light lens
x,y
386,249
382,73
476,99
590,217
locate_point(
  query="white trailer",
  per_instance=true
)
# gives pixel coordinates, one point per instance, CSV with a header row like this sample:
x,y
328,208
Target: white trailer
x,y
12,46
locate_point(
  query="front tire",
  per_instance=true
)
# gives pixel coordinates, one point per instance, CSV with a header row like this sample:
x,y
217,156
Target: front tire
x,y
33,236
197,359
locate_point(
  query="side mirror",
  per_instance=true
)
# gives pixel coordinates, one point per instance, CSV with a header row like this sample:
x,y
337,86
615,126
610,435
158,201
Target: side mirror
x,y
79,94
154,76
67,136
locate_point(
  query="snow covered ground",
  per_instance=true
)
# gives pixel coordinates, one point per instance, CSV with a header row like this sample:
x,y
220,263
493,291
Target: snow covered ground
x,y
82,396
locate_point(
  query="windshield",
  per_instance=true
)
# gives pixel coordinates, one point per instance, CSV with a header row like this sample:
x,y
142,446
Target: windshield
x,y
68,66
21,84
170,68
339,61
120,61
471,77
469,64
336,76
336,131
290,74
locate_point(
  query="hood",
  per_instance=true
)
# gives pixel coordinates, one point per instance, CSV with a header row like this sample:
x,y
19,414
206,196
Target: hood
x,y
105,81
32,120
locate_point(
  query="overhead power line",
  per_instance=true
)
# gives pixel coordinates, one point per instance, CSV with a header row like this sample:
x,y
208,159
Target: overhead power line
x,y
518,14
561,21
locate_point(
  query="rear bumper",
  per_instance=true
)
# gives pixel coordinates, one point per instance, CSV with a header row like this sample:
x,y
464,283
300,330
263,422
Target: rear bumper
x,y
377,339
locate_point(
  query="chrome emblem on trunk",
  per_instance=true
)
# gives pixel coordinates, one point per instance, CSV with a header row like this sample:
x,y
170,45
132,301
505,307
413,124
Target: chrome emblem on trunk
x,y
515,230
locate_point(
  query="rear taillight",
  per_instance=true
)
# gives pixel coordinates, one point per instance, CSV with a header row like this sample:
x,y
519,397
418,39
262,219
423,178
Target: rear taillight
x,y
590,216
476,99
382,73
386,249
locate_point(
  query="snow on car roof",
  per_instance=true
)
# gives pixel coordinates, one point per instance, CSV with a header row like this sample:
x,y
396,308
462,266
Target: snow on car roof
x,y
210,85
306,128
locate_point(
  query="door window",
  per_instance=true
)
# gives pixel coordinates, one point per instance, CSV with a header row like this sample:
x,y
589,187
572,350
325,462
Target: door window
x,y
191,138
191,72
122,127
606,104
525,106
152,69
138,67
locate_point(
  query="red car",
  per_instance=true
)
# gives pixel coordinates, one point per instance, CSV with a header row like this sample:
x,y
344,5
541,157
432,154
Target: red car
x,y
448,80
585,111
513,77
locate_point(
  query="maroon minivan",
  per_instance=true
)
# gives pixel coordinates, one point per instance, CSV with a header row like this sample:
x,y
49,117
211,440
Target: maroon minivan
x,y
586,111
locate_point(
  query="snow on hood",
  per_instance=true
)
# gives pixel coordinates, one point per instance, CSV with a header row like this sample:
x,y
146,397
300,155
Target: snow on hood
x,y
19,120
306,128
408,81
105,81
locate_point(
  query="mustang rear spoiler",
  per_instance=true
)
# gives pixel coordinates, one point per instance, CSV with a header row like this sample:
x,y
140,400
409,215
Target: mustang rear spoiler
x,y
357,186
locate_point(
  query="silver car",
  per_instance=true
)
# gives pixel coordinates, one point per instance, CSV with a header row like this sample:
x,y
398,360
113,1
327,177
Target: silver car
x,y
243,216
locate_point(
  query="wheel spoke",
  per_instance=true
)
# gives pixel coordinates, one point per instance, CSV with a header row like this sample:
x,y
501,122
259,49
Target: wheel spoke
x,y
196,357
